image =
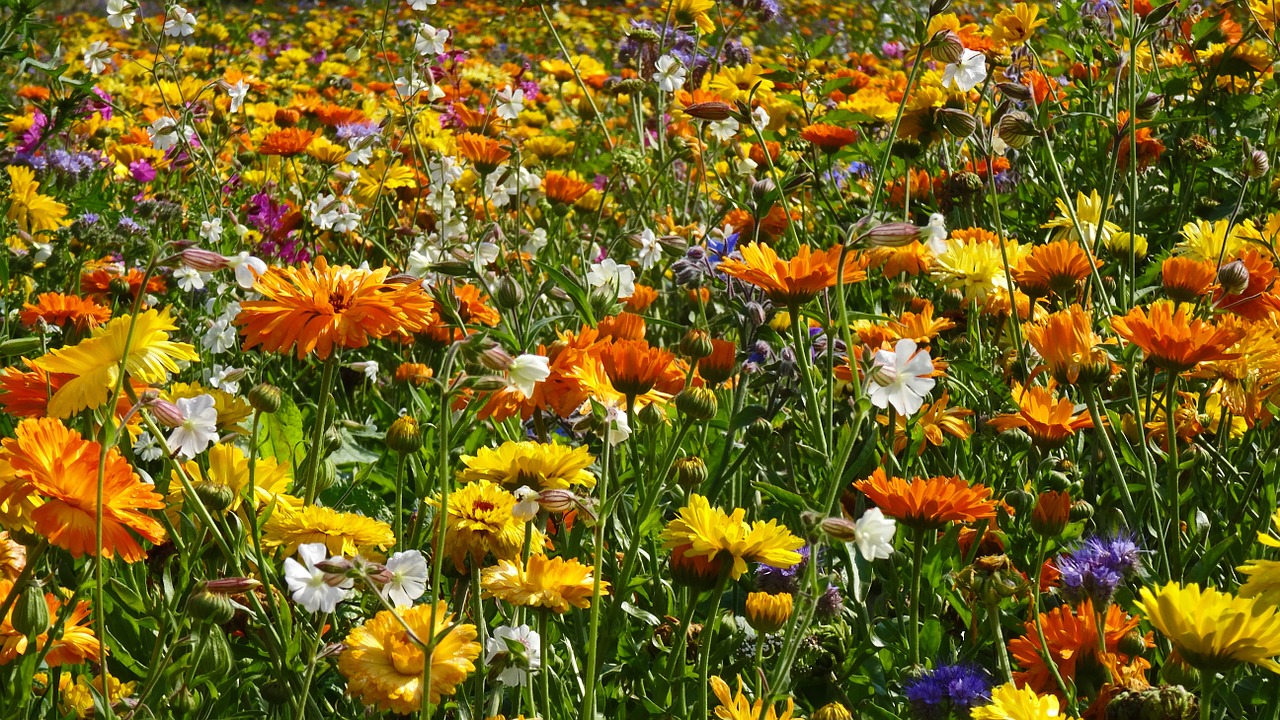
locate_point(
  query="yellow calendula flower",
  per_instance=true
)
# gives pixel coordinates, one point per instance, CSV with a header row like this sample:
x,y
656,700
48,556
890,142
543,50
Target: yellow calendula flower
x,y
1213,241
556,584
32,211
1015,25
737,706
381,178
694,12
709,539
479,522
95,361
975,269
78,696
1213,630
1008,702
1088,211
384,664
229,469
1263,582
341,532
541,466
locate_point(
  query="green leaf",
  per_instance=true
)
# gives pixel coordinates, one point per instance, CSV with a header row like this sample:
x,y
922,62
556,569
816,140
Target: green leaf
x,y
786,497
284,434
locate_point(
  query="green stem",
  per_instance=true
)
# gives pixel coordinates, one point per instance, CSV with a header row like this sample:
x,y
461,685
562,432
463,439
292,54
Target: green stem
x,y
917,559
705,638
1044,645
1175,502
1002,652
311,667
1206,695
1099,429
589,694
806,378
442,528
321,421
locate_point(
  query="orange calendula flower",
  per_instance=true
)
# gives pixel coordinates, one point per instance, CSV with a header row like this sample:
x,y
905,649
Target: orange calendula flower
x,y
1047,418
286,143
552,583
1071,635
936,420
928,502
634,367
721,364
1071,350
829,138
1172,339
564,189
314,309
484,152
60,310
795,281
1187,279
54,472
1054,268
920,325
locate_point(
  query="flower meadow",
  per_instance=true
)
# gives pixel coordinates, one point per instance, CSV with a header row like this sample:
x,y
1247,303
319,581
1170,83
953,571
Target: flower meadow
x,y
690,359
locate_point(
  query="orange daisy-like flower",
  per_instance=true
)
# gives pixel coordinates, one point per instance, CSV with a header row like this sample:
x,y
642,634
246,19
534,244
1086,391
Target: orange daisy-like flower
x,y
829,138
1173,340
471,305
1071,635
484,152
61,310
623,326
286,143
1054,268
928,502
1186,279
1071,350
318,308
721,364
98,281
912,259
920,326
413,373
564,189
1048,419
75,645
634,367
1149,148
641,299
795,281
26,393
55,472
1256,301
936,420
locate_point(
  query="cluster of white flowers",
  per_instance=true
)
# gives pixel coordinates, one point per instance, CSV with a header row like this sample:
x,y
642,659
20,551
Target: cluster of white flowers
x,y
319,591
330,213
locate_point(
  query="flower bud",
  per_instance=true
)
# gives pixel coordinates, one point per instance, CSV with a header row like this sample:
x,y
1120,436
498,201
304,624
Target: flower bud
x,y
404,436
1019,500
712,110
768,612
31,611
832,711
1149,106
690,472
840,529
759,430
489,383
335,566
166,413
762,189
495,358
1081,510
557,500
216,609
216,497
894,234
232,585
1177,671
696,344
697,403
204,260
1133,644
19,346
1257,164
903,293
651,415
1016,129
1233,277
265,398
1014,91
946,47
1052,512
508,295
955,121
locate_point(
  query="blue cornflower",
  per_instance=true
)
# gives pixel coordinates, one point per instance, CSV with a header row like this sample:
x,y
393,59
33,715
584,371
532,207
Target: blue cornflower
x,y
946,688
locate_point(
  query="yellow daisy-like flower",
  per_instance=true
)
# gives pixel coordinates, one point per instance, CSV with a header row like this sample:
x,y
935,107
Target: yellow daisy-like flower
x,y
95,361
1213,630
1263,582
975,269
479,522
694,12
542,466
1008,702
740,707
342,533
229,468
1088,211
384,665
1015,25
553,583
714,537
1212,241
78,696
32,211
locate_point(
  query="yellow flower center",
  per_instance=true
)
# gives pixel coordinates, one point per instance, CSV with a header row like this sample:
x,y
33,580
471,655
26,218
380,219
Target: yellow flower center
x,y
405,656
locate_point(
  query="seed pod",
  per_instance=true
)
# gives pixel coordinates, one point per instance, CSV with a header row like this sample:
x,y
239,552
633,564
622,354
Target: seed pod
x,y
31,611
1014,91
265,398
957,122
1016,129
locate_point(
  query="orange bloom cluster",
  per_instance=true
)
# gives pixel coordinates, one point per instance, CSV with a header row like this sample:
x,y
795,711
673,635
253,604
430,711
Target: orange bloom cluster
x,y
1071,635
62,310
795,281
1172,339
928,502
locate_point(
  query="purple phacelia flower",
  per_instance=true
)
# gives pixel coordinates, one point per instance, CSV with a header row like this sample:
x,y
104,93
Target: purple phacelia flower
x,y
1096,569
947,688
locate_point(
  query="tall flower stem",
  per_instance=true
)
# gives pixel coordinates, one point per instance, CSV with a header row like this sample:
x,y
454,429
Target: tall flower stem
x,y
806,378
311,667
321,423
1206,694
1039,625
917,560
1175,503
442,530
544,675
705,639
1100,429
1002,651
589,693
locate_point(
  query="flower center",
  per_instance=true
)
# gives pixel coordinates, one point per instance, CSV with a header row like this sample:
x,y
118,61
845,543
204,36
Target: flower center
x,y
405,656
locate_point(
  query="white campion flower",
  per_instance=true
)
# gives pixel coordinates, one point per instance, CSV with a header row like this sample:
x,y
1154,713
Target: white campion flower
x,y
515,673
526,507
199,428
619,427
309,585
936,233
724,130
873,533
211,229
237,92
146,447
968,73
608,273
535,241
121,14
408,578
368,367
226,379
164,132
669,73
420,5
179,22
220,337
430,40
190,279
97,55
246,267
510,103
650,249
526,371
760,118
361,149
900,377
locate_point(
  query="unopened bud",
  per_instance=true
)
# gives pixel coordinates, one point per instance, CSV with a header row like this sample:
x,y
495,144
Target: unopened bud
x,y
904,292
557,500
30,611
1149,106
232,585
166,412
696,344
895,234
690,472
946,47
1233,277
1257,164
651,415
335,566
404,436
1016,129
838,528
713,110
762,189
1014,91
265,398
697,403
204,260
508,294
216,497
216,609
1081,510
957,122
1133,644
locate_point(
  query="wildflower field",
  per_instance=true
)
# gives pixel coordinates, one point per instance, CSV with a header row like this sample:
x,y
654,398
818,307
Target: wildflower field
x,y
687,359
